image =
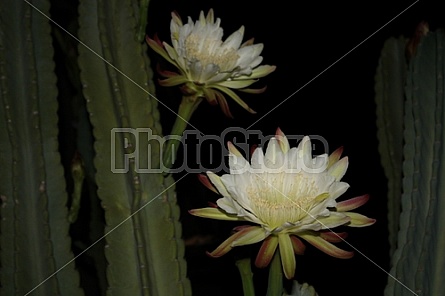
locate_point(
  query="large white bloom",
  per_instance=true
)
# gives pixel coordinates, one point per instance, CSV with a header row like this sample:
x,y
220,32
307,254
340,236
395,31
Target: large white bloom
x,y
288,194
210,67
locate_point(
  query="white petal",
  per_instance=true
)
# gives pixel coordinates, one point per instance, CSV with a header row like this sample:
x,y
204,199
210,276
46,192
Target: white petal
x,y
257,161
229,205
337,189
320,163
293,164
339,168
234,40
248,54
274,158
238,164
256,62
210,18
195,70
202,18
216,181
323,182
321,208
218,78
306,154
208,72
237,187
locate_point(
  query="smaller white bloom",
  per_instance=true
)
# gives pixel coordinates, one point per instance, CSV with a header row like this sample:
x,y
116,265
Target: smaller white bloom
x,y
209,67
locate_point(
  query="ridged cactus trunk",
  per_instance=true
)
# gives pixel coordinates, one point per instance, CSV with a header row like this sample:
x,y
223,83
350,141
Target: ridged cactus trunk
x,y
418,261
390,100
144,248
34,239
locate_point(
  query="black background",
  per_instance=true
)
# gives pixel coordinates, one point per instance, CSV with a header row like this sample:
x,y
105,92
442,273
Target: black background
x,y
302,40
326,53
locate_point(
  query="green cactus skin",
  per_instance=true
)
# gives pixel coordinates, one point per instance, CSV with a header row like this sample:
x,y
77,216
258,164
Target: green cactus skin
x,y
419,261
144,254
143,14
389,96
34,237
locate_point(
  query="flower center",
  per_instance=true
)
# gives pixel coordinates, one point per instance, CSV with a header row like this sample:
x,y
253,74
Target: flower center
x,y
209,51
282,197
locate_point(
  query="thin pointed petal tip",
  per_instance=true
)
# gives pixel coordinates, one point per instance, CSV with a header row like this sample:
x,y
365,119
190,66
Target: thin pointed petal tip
x,y
217,254
338,151
206,182
233,150
335,156
251,111
359,220
148,39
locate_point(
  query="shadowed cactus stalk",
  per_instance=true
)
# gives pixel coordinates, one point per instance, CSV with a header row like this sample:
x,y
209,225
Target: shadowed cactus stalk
x,y
34,237
389,89
410,108
145,253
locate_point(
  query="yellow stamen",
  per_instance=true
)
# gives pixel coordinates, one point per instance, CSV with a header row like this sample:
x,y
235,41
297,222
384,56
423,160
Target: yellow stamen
x,y
276,202
209,51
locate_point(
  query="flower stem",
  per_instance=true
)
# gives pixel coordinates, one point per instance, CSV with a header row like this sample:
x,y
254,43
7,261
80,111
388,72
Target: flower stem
x,y
186,108
246,276
275,284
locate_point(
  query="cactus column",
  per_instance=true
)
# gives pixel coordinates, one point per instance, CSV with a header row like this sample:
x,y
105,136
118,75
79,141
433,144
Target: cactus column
x,y
418,263
144,254
34,240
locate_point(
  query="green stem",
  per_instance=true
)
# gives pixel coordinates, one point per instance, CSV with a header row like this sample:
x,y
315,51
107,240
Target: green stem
x,y
275,284
186,108
246,276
